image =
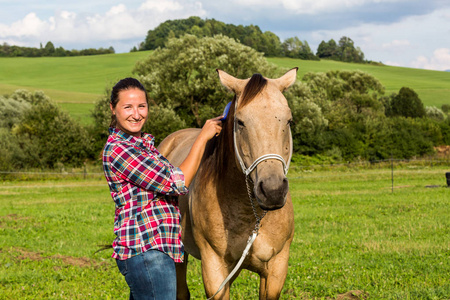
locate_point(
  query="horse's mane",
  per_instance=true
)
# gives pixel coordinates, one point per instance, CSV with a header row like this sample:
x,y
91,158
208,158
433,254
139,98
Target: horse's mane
x,y
220,148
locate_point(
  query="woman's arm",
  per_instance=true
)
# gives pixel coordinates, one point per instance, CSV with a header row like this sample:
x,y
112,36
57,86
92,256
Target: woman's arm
x,y
190,165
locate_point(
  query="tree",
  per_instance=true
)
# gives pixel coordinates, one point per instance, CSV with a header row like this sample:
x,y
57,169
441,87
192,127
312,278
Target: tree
x,y
271,45
12,110
347,51
407,104
251,35
34,132
182,76
49,49
295,48
48,135
346,96
344,51
327,50
309,122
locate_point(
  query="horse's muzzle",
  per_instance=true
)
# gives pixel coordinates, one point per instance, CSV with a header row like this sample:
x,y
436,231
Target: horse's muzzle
x,y
271,192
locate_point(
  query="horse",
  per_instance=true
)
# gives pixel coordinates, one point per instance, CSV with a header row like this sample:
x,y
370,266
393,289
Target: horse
x,y
217,216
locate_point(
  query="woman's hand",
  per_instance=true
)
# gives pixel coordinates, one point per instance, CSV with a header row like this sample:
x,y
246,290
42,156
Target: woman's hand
x,y
190,165
212,128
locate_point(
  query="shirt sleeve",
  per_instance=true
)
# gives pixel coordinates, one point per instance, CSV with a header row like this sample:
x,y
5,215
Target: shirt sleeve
x,y
146,170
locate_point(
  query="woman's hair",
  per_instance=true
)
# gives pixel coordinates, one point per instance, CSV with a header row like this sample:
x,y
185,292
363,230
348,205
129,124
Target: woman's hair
x,y
122,85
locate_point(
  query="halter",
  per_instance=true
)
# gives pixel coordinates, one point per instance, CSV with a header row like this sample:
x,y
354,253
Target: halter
x,y
262,158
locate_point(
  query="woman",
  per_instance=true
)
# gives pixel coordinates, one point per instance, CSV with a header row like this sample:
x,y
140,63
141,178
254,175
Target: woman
x,y
144,187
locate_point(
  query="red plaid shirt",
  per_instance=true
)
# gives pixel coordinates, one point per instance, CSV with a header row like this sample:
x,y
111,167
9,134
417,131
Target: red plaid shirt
x,y
144,186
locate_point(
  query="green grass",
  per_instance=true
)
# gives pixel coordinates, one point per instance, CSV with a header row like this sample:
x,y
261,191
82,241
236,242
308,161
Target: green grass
x,y
73,82
83,79
352,232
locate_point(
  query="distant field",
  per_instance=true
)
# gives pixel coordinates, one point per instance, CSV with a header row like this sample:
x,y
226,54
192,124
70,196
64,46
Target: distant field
x,y
433,87
76,82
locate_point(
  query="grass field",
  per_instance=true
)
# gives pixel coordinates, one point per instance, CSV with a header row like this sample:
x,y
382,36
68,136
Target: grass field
x,y
76,82
353,232
73,82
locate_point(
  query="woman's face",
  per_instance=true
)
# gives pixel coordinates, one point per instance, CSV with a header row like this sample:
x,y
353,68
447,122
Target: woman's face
x,y
131,111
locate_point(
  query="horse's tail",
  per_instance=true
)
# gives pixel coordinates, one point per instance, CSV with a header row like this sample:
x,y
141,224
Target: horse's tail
x,y
103,248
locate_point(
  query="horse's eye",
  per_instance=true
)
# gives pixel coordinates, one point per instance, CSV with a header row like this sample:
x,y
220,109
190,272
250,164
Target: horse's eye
x,y
290,122
240,123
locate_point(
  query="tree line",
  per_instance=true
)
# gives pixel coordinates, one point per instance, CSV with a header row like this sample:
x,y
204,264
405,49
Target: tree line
x,y
338,115
266,42
49,50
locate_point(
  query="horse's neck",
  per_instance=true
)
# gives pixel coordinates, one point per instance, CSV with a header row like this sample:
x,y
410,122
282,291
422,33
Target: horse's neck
x,y
234,178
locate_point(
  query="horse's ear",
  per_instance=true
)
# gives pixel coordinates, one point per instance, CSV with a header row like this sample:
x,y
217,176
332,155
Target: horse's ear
x,y
287,79
231,83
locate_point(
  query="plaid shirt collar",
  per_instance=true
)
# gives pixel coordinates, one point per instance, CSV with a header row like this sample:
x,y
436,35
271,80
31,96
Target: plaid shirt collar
x,y
146,139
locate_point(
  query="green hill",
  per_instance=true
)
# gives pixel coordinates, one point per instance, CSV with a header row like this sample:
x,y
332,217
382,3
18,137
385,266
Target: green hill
x,y
76,82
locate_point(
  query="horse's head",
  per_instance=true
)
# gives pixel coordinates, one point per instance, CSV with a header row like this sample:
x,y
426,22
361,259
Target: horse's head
x,y
262,134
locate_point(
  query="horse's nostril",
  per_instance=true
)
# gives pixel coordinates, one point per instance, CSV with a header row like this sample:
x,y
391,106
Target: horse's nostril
x,y
261,188
285,183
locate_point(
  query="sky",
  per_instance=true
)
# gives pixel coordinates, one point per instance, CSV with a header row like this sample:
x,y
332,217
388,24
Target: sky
x,y
407,33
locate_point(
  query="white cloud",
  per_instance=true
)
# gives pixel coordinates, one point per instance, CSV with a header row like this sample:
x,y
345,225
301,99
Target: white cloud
x,y
439,61
117,24
396,44
29,26
166,6
312,7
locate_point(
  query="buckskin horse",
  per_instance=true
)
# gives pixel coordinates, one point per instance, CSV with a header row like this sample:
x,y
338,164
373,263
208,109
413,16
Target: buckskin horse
x,y
242,177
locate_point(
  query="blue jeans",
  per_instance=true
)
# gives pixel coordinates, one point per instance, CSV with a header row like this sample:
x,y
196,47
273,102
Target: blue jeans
x,y
150,275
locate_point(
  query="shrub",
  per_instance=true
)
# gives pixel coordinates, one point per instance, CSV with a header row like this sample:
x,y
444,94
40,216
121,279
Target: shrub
x,y
46,135
434,113
407,104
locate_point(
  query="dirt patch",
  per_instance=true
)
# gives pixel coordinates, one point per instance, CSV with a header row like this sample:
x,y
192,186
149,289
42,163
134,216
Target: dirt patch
x,y
353,295
13,218
67,260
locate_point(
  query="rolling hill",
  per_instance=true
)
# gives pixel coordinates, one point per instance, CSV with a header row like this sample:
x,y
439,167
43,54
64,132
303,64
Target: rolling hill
x,y
76,82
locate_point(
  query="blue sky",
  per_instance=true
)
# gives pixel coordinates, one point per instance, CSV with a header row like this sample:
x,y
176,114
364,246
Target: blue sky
x,y
409,33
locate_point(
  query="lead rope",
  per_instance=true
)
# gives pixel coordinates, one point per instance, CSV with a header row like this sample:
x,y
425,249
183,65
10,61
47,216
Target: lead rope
x,y
250,240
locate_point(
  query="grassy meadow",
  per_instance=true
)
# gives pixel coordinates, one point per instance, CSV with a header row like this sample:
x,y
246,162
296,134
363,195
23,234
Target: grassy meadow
x,y
76,82
73,82
353,232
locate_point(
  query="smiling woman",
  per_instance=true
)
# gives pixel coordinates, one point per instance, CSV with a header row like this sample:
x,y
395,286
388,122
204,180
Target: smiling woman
x,y
145,187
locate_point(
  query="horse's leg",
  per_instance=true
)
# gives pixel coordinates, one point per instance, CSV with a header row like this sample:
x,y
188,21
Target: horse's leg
x,y
273,278
214,272
182,287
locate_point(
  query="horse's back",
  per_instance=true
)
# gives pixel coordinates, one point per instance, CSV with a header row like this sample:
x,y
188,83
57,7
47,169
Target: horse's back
x,y
176,146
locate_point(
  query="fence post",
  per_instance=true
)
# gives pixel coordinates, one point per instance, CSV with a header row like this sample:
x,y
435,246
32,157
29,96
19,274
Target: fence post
x,y
392,173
